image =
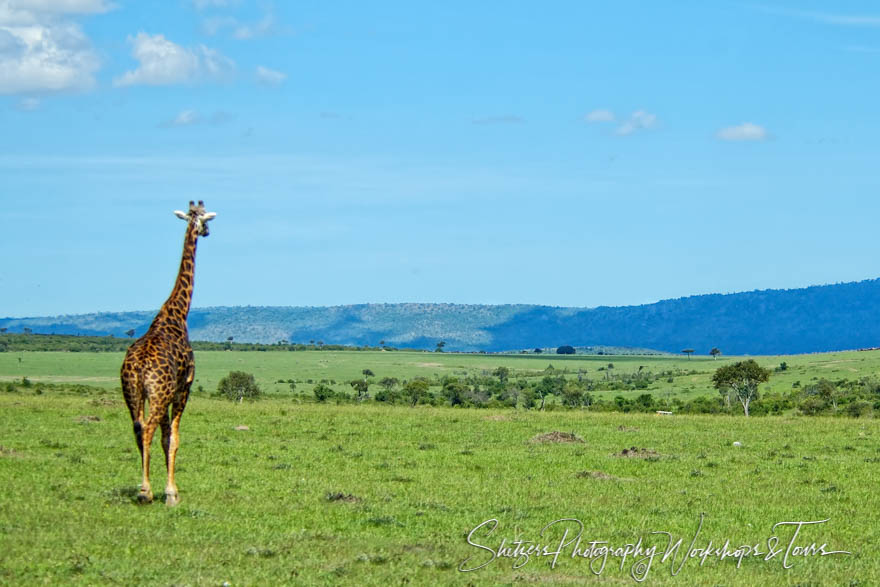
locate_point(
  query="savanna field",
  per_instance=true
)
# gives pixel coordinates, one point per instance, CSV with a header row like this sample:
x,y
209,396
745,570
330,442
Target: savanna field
x,y
288,490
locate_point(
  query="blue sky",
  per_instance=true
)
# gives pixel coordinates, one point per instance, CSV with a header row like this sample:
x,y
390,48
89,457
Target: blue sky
x,y
559,153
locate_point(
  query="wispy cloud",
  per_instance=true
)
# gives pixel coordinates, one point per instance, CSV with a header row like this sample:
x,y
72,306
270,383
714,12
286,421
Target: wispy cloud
x,y
600,115
638,120
854,20
504,119
183,118
269,77
205,4
163,62
192,117
746,131
238,29
28,104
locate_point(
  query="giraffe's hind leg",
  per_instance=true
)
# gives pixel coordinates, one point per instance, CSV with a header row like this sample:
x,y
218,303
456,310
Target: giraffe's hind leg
x,y
134,399
158,413
172,497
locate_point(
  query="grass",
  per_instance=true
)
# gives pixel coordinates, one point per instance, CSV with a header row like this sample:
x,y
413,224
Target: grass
x,y
102,369
316,494
286,491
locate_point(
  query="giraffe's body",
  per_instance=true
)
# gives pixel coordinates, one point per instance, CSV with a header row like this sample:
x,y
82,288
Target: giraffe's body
x,y
159,367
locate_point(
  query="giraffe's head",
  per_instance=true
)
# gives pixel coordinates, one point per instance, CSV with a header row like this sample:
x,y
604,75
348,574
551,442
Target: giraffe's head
x,y
198,216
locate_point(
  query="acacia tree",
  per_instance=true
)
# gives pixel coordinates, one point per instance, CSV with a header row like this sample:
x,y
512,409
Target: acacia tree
x,y
741,380
238,385
715,352
416,390
688,352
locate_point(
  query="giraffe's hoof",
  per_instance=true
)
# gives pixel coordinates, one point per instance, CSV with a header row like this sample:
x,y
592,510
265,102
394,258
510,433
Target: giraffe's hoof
x,y
172,499
145,497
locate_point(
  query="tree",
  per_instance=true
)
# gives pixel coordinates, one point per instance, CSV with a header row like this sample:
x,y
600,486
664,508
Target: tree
x,y
27,330
323,392
688,352
388,383
239,385
538,351
367,373
741,379
502,373
549,385
440,346
361,387
565,350
715,352
416,390
3,330
130,332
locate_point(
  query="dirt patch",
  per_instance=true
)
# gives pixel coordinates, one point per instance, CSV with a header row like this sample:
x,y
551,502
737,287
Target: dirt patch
x,y
343,497
88,419
596,475
429,364
241,428
628,428
7,452
556,437
635,452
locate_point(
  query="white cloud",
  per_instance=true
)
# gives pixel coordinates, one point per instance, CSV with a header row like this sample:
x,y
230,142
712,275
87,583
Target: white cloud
x,y
242,31
600,115
638,120
270,77
41,50
163,62
184,118
192,117
746,131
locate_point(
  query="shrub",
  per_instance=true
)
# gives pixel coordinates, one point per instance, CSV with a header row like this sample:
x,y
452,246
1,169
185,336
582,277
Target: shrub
x,y
858,409
323,392
239,385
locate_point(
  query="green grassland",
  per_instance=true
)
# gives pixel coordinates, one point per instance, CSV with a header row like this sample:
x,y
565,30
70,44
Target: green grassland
x,y
367,494
273,369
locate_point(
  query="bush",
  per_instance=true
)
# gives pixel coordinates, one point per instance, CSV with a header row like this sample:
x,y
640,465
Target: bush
x,y
323,392
858,409
239,385
813,405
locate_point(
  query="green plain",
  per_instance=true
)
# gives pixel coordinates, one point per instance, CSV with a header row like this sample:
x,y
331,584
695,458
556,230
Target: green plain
x,y
369,494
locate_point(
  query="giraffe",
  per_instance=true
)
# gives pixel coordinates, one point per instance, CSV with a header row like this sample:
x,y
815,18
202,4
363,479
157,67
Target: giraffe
x,y
159,366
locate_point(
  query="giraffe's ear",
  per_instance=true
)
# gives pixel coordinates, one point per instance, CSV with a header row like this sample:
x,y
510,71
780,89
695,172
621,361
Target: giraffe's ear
x,y
210,216
181,215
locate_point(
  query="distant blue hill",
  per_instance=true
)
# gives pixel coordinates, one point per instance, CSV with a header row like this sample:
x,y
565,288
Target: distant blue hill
x,y
813,319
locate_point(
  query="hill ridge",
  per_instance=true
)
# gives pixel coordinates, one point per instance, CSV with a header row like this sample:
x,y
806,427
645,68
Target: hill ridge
x,y
768,321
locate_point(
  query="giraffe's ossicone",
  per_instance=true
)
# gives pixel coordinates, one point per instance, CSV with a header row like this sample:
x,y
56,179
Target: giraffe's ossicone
x,y
158,369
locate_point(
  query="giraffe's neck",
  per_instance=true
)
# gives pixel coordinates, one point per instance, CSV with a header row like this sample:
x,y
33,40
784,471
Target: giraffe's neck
x,y
176,307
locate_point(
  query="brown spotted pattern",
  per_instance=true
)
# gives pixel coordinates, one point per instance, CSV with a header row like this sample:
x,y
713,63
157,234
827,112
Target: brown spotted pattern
x,y
159,369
